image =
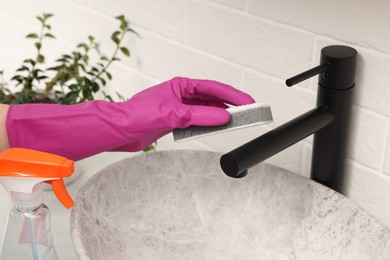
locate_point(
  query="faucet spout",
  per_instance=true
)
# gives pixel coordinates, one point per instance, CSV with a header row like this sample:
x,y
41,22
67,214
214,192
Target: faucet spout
x,y
237,161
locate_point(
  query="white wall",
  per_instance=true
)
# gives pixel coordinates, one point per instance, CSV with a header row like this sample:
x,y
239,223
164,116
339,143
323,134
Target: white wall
x,y
252,44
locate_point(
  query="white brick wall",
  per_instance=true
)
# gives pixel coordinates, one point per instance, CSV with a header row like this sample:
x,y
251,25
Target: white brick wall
x,y
252,44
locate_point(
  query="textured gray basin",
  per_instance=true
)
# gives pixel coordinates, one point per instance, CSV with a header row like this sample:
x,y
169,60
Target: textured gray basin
x,y
179,205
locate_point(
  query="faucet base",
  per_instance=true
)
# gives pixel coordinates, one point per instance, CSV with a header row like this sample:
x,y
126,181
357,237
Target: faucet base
x,y
335,91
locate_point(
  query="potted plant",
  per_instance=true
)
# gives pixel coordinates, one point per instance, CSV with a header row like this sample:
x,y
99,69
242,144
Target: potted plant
x,y
73,78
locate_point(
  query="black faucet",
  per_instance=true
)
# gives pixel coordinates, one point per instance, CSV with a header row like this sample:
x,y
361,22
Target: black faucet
x,y
329,122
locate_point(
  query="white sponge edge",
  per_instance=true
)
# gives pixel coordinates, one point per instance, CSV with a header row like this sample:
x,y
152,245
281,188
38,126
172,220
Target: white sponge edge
x,y
241,117
237,109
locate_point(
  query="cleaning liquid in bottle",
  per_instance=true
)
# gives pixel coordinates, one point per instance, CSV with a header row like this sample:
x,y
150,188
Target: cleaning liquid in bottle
x,y
22,172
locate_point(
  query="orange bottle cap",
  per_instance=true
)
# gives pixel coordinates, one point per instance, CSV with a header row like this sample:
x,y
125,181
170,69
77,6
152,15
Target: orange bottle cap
x,y
27,163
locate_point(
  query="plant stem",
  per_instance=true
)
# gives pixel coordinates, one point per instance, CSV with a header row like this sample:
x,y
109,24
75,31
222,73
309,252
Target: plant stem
x,y
2,84
72,69
52,82
30,76
112,58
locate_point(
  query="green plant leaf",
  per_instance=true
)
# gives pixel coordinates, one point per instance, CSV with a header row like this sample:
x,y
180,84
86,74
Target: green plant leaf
x,y
16,77
115,38
84,46
125,51
76,55
32,36
32,62
86,93
109,76
40,58
38,45
42,20
61,60
71,97
56,68
108,97
121,18
47,15
23,68
87,82
81,66
49,35
121,98
123,26
85,59
95,87
102,81
91,38
65,77
132,31
73,87
149,148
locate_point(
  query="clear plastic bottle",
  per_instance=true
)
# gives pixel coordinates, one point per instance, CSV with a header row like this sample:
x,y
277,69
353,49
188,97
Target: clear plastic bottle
x,y
28,232
22,172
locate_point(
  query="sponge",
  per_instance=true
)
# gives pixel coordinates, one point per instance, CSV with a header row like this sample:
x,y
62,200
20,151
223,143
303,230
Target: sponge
x,y
241,116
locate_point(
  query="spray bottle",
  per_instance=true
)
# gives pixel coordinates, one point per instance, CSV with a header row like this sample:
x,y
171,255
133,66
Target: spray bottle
x,y
22,172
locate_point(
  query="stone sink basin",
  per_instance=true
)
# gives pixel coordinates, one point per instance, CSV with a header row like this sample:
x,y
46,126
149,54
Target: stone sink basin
x,y
180,205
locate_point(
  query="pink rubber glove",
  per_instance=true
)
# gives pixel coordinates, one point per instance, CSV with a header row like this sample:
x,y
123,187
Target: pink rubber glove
x,y
82,130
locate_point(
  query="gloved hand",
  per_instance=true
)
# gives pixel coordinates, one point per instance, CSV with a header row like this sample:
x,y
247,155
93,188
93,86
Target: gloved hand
x,y
82,130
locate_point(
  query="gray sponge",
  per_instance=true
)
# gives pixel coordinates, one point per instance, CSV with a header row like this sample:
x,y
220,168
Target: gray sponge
x,y
241,116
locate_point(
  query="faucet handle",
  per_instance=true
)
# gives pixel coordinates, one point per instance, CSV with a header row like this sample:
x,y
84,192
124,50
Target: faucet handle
x,y
308,74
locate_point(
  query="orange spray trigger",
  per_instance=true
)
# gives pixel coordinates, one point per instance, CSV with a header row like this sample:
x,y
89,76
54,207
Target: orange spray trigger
x,y
21,169
61,192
